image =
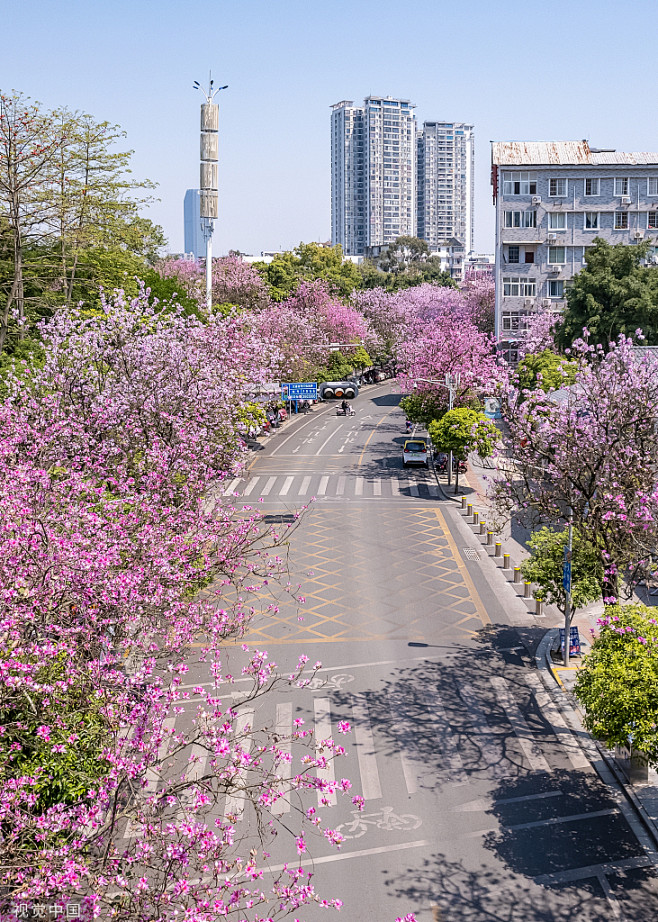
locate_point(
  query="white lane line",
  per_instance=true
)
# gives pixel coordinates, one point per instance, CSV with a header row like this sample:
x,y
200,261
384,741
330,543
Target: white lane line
x,y
365,750
401,732
377,486
287,483
323,732
358,486
295,432
268,486
153,774
328,439
433,489
284,768
395,486
235,802
232,485
322,489
526,739
558,820
340,486
306,482
251,486
195,772
380,850
432,702
615,908
413,488
560,727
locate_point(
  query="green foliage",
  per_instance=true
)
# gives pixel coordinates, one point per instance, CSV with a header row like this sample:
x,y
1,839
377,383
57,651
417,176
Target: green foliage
x,y
170,291
545,370
613,294
618,682
544,567
405,263
424,408
360,358
307,262
338,368
464,430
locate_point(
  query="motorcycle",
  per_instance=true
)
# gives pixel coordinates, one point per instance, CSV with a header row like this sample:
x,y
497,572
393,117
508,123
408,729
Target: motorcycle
x,y
348,411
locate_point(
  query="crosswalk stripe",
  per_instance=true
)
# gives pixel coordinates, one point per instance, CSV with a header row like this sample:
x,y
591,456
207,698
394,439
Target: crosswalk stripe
x,y
413,489
526,739
251,486
235,802
548,707
395,486
358,486
401,734
322,489
433,488
268,486
365,750
284,768
323,732
432,702
377,486
152,775
231,487
287,483
306,482
490,748
340,486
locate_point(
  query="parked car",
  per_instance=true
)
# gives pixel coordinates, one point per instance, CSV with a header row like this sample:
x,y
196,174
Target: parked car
x,y
415,452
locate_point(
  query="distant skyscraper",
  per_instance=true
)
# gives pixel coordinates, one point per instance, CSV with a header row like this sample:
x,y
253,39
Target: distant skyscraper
x,y
388,180
445,202
194,240
373,173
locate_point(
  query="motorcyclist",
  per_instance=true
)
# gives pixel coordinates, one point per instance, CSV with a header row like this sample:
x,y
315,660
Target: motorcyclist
x,y
345,407
409,426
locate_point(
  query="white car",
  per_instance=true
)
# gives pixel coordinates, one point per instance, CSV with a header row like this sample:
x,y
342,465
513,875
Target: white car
x,y
415,452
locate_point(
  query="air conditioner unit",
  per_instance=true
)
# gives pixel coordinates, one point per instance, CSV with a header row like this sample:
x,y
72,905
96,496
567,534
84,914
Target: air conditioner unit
x,y
638,234
546,302
552,237
528,302
626,200
555,270
536,199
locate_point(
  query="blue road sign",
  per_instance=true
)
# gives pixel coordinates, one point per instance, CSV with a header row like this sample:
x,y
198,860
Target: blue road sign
x,y
299,391
566,576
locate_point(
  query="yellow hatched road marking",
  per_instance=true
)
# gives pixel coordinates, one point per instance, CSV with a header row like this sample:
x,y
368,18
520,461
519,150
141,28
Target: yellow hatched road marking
x,y
479,607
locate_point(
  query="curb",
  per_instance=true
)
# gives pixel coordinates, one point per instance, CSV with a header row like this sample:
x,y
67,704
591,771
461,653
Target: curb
x,y
545,665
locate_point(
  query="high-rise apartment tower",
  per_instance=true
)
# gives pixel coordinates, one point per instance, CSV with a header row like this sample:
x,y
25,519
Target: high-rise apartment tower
x,y
445,183
373,175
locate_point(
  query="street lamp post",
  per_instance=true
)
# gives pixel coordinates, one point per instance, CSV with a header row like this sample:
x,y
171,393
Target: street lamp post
x,y
451,384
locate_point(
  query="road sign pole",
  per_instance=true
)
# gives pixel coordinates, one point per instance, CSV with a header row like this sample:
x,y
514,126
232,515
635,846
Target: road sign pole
x,y
567,588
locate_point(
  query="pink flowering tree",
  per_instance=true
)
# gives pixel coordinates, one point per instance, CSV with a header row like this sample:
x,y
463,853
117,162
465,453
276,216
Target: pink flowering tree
x,y
123,783
540,333
234,281
478,290
589,456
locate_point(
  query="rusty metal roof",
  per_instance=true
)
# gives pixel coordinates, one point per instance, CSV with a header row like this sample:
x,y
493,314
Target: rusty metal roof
x,y
562,153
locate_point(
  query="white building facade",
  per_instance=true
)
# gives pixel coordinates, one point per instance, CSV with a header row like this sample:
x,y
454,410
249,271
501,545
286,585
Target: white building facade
x,y
552,200
446,183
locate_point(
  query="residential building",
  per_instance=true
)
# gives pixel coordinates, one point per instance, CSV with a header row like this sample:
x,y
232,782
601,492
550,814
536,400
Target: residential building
x,y
195,244
446,183
373,176
553,198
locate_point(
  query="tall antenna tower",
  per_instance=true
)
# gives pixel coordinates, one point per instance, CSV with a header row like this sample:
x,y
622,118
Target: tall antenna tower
x,y
209,173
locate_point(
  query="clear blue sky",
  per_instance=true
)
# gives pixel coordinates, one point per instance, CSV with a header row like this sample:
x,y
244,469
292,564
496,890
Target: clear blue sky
x,y
516,69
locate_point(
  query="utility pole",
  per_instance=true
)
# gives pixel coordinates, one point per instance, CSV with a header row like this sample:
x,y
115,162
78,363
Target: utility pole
x,y
452,383
209,174
566,582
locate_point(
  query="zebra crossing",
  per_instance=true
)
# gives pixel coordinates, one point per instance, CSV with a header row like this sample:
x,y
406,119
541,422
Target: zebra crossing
x,y
463,747
291,487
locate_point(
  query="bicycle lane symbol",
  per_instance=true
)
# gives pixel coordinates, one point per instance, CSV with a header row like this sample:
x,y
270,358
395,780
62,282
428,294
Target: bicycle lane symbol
x,y
387,820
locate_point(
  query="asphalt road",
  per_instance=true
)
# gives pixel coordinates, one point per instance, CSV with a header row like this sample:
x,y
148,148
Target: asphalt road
x,y
479,804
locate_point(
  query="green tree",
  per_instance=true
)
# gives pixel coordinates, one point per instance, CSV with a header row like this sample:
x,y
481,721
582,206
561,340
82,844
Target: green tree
x,y
545,565
464,430
307,262
618,681
405,263
615,293
424,407
545,370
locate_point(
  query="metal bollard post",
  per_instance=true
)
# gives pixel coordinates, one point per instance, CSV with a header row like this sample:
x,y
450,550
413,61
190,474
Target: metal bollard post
x,y
483,528
505,561
469,510
527,594
463,502
539,608
489,538
499,549
476,518
517,574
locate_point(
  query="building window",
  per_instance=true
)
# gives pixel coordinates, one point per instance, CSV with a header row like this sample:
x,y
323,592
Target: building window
x,y
591,220
519,183
557,187
652,185
529,256
520,219
621,220
518,287
513,254
592,186
652,220
555,288
557,256
621,185
557,220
